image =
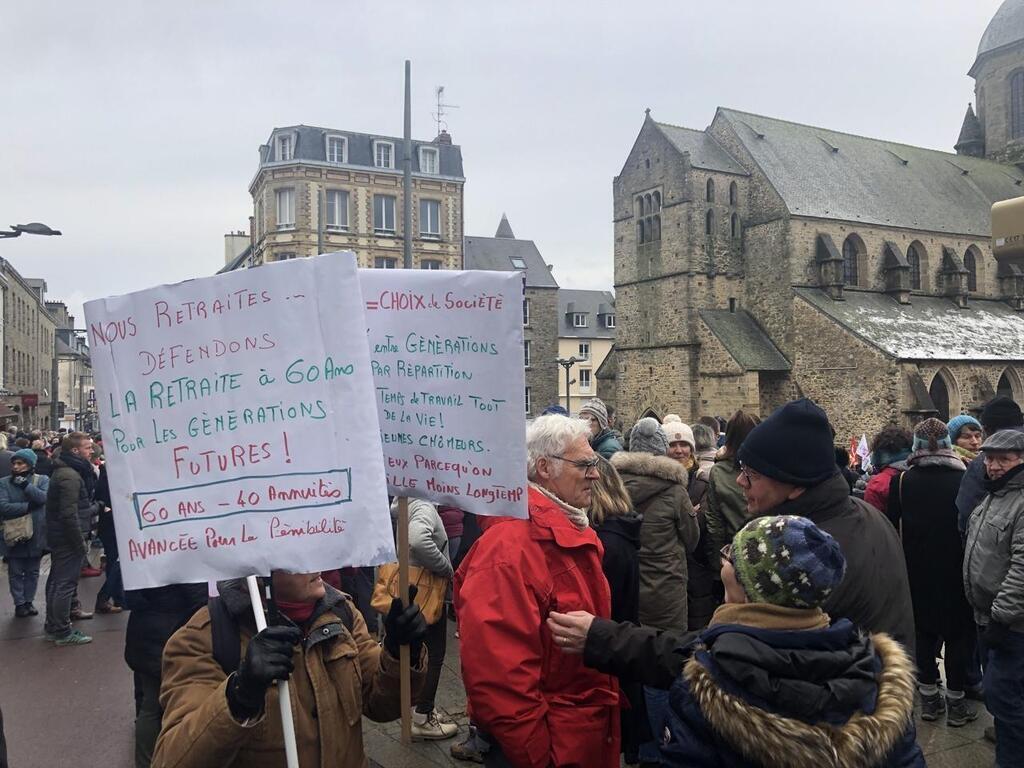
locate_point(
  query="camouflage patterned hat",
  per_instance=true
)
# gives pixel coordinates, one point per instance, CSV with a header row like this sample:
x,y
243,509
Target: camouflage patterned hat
x,y
787,560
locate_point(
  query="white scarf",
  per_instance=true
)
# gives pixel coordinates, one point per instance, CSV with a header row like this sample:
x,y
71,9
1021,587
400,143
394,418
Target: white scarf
x,y
577,517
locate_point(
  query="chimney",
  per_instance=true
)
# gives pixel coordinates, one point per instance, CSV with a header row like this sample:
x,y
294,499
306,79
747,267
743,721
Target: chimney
x,y
443,138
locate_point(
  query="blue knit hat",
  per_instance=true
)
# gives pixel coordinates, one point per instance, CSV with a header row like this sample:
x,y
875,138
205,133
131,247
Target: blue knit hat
x,y
957,423
27,455
787,560
554,409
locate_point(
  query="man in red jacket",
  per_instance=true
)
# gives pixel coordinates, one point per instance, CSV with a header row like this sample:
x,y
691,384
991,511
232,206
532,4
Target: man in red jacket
x,y
538,706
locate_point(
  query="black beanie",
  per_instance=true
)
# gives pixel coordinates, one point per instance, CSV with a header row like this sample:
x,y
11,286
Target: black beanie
x,y
793,445
1001,413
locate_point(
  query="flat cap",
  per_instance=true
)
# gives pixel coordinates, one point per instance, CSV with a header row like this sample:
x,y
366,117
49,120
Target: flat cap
x,y
1010,440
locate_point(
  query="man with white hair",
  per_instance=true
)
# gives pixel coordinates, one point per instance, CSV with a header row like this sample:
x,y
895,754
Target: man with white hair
x,y
535,705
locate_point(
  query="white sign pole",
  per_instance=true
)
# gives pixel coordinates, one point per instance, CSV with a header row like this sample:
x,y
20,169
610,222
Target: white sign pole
x,y
291,750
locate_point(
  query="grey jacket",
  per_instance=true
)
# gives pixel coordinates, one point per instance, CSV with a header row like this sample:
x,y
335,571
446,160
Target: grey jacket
x,y
994,557
428,543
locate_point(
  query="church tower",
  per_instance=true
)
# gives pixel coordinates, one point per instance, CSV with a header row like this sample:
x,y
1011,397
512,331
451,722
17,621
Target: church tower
x,y
997,131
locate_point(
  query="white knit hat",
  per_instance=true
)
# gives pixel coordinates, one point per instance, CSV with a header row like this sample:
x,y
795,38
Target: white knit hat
x,y
676,431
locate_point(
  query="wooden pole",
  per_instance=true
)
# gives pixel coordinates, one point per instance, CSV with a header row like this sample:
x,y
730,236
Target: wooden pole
x,y
403,591
291,750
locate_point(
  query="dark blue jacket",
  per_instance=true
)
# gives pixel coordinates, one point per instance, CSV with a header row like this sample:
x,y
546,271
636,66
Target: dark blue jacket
x,y
756,697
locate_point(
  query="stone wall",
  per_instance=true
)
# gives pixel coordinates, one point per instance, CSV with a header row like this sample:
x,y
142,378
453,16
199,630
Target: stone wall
x,y
542,332
992,97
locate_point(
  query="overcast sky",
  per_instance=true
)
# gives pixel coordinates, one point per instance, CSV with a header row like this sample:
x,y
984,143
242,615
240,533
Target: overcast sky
x,y
134,129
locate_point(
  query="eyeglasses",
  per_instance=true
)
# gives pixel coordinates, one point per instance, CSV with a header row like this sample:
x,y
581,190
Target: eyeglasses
x,y
727,552
584,464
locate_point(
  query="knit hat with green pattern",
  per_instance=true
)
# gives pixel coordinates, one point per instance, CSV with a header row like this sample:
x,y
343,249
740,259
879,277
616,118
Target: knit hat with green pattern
x,y
787,560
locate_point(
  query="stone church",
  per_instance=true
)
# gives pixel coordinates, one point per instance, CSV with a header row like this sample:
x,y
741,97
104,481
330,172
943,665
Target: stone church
x,y
760,259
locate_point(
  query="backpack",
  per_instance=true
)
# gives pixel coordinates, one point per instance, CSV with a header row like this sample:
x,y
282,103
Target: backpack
x,y
227,638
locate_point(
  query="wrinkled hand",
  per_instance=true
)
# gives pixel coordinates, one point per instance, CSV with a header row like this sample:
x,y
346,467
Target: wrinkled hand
x,y
996,634
569,630
405,626
268,657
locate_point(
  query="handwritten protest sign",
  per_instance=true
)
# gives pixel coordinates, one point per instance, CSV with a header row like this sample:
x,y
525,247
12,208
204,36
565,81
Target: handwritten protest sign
x,y
446,352
239,424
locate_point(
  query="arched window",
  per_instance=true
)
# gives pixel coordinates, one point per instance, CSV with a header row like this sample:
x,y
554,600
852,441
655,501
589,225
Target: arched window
x,y
734,225
1009,385
939,393
914,260
640,232
657,201
709,223
647,204
656,227
734,194
971,265
640,205
711,191
851,255
1017,105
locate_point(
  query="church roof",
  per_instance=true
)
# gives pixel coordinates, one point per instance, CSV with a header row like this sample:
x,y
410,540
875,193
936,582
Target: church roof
x,y
929,328
832,175
744,340
504,228
704,151
1006,27
970,131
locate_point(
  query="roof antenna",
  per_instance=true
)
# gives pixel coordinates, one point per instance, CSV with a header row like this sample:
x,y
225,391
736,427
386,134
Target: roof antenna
x,y
441,107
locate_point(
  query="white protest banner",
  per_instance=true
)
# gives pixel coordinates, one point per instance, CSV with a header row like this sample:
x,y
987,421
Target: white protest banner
x,y
239,423
446,352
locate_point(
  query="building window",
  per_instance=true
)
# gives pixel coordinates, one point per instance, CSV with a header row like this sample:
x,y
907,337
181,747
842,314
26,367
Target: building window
x,y
337,149
971,265
384,154
526,311
734,226
579,320
526,353
851,254
584,379
384,214
709,223
914,260
285,208
710,191
385,262
337,209
527,401
734,194
285,148
428,160
286,256
584,351
430,263
648,228
609,321
430,219
518,262
1017,105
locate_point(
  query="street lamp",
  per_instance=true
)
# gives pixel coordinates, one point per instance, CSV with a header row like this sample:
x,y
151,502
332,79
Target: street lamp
x,y
567,363
35,228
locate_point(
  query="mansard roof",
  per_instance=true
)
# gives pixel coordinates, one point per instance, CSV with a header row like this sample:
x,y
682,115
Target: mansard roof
x,y
596,305
929,328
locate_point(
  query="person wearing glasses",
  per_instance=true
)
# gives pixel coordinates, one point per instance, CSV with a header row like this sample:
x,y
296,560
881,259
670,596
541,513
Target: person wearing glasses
x,y
536,706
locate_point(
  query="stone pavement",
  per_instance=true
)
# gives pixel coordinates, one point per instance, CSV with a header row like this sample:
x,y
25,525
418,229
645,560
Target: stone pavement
x,y
74,706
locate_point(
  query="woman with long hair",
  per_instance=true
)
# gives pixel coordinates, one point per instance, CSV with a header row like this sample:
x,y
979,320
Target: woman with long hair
x,y
725,505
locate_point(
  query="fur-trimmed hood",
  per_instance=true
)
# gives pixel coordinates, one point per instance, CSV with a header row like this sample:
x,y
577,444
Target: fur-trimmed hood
x,y
861,740
649,465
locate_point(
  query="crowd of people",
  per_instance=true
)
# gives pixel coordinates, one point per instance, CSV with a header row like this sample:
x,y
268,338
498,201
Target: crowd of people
x,y
706,594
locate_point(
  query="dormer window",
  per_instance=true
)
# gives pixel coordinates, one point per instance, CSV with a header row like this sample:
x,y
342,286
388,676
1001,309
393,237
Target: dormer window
x,y
337,149
518,262
428,160
609,321
579,319
384,154
285,148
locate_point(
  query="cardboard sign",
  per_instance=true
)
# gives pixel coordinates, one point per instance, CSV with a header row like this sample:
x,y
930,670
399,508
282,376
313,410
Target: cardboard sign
x,y
446,353
239,424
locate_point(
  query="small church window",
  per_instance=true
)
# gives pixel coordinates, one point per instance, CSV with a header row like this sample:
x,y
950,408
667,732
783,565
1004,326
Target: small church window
x,y
640,232
709,223
971,265
1017,105
733,194
914,260
647,204
734,226
656,228
711,191
850,256
656,197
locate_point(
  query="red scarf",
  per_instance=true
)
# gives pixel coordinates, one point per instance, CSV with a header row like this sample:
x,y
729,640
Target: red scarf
x,y
297,612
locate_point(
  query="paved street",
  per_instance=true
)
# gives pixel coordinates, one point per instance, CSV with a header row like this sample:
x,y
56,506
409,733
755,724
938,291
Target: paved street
x,y
74,706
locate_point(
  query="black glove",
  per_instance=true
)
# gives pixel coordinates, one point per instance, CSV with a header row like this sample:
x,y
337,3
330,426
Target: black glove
x,y
268,657
405,626
19,479
996,634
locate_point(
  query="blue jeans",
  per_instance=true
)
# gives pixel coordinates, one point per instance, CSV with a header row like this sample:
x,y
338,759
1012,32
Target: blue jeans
x,y
23,577
1004,698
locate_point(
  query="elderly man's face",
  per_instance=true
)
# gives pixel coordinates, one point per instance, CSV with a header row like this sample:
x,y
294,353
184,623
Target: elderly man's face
x,y
566,476
595,425
998,463
764,493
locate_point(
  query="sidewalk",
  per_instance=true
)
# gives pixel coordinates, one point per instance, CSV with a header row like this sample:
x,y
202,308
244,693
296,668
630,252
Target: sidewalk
x,y
75,706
